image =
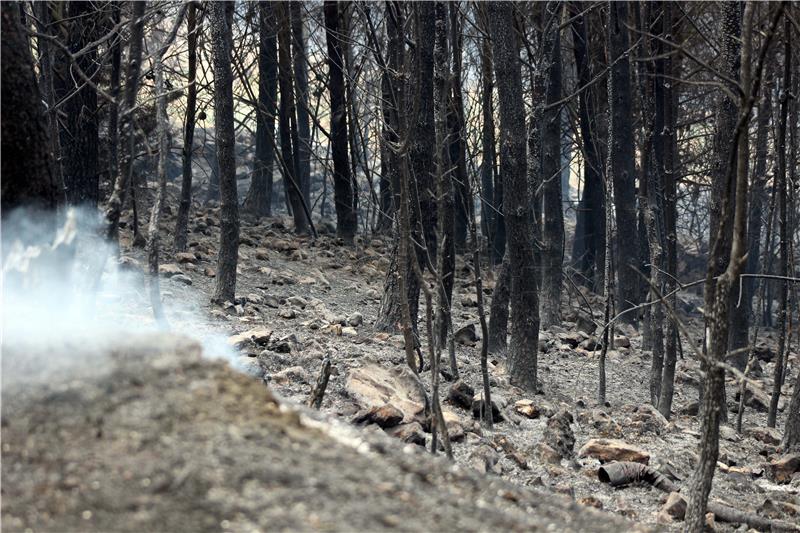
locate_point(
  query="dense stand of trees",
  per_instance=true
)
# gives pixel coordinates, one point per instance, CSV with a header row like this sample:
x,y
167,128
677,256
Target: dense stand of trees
x,y
443,127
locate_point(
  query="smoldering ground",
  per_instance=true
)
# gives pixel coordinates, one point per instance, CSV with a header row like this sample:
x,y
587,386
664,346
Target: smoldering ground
x,y
69,302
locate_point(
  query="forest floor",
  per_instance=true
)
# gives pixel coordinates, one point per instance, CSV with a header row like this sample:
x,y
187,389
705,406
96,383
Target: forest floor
x,y
304,301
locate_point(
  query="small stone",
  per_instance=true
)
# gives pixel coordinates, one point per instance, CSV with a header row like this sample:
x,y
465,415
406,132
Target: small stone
x,y
280,346
210,272
287,312
478,407
548,455
185,257
293,373
466,335
182,278
766,435
270,300
485,459
621,341
254,298
297,301
527,409
591,501
607,450
355,320
470,300
566,490
411,433
559,439
781,470
691,409
349,332
675,506
255,336
385,416
169,269
461,394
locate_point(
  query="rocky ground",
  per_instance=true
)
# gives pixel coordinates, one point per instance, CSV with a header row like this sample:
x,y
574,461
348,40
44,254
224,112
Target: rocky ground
x,y
205,449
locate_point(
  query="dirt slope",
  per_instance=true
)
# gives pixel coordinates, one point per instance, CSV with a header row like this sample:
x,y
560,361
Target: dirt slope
x,y
156,438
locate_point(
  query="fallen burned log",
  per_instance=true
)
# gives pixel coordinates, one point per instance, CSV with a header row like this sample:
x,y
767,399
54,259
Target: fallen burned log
x,y
621,473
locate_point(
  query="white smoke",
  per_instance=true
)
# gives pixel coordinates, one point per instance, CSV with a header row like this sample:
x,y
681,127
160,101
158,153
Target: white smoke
x,y
69,295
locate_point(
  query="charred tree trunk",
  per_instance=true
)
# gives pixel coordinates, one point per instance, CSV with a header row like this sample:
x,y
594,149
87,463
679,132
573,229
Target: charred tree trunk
x,y
457,144
743,313
113,107
717,301
221,37
182,222
27,166
47,88
343,194
290,157
498,311
590,226
783,264
300,65
126,132
259,197
791,432
552,206
623,170
517,204
492,223
401,286
162,129
81,139
445,257
669,166
423,136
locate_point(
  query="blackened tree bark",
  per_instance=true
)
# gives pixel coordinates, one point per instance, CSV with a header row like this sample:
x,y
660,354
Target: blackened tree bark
x,y
669,166
783,264
590,229
721,194
27,165
80,141
346,221
623,170
552,207
287,122
791,432
221,40
445,258
185,205
423,136
47,88
162,129
498,311
300,66
401,283
113,107
522,353
492,223
126,134
259,196
717,301
652,184
458,142
743,313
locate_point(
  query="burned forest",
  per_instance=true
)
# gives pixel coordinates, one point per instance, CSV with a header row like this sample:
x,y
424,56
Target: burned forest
x,y
390,265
